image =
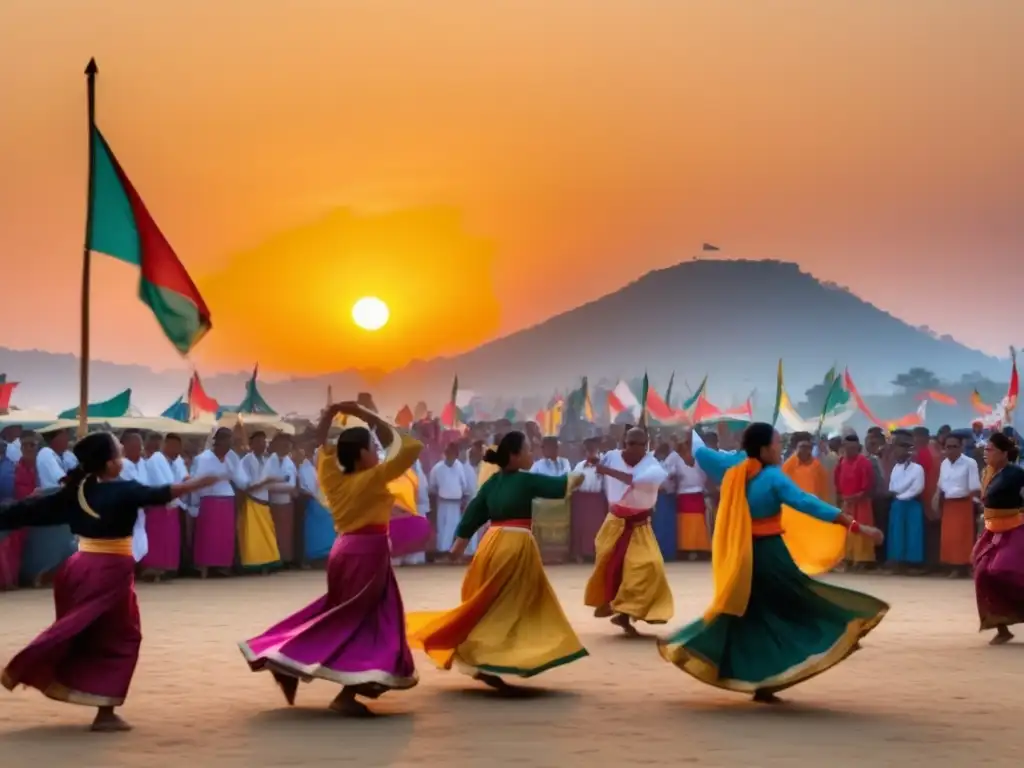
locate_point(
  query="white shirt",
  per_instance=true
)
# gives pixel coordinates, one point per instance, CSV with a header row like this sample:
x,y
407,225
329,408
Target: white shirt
x,y
471,476
648,475
592,482
14,450
959,479
284,469
690,479
448,483
207,464
132,470
308,481
251,468
551,467
49,468
673,466
160,472
69,460
907,481
422,489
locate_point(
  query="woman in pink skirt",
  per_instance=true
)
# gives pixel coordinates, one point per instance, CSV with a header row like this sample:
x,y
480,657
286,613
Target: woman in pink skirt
x,y
88,655
354,635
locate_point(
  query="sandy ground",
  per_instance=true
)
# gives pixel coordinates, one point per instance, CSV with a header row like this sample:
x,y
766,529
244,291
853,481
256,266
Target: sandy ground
x,y
926,689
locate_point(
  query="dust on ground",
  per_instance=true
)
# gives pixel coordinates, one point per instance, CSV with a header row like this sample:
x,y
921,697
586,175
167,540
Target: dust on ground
x,y
925,690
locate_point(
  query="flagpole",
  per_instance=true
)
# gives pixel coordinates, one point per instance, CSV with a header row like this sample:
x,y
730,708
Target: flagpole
x,y
91,71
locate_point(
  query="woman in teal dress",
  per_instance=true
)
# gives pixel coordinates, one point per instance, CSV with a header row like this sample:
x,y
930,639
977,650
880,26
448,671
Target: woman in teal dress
x,y
770,625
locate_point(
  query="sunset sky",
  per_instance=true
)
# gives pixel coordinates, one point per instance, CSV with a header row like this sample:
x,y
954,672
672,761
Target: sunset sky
x,y
484,164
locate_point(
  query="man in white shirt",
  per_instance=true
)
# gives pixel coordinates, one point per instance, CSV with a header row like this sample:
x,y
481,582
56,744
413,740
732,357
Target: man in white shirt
x,y
448,491
959,490
628,582
12,434
52,460
251,465
905,540
552,518
693,534
214,533
472,466
133,467
588,504
163,524
282,475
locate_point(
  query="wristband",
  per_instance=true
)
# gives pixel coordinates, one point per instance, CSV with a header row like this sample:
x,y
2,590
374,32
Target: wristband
x,y
854,526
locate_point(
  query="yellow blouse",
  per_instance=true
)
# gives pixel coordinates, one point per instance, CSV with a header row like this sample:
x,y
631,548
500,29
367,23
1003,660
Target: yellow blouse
x,y
363,498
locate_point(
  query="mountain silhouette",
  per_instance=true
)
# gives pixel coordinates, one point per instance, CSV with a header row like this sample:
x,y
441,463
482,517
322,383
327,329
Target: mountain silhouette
x,y
731,320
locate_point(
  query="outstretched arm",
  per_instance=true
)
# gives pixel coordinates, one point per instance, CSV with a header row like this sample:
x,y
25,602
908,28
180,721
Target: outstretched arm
x,y
714,463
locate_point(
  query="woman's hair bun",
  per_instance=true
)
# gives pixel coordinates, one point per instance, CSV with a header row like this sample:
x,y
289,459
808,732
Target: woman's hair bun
x,y
491,456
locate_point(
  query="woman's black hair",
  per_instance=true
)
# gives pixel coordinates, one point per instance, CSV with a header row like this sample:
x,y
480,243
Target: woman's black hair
x,y
351,444
511,443
93,452
1006,445
757,436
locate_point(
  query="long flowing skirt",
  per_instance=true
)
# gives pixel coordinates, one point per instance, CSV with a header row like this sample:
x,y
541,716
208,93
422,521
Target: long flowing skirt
x,y
88,655
958,532
213,535
354,634
12,543
284,527
665,525
319,531
510,621
693,523
629,574
46,548
588,511
163,529
410,534
793,629
257,542
999,578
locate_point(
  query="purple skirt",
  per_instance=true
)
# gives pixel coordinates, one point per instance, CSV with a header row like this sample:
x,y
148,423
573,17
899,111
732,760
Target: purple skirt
x,y
409,534
163,529
999,578
214,533
88,655
355,634
589,510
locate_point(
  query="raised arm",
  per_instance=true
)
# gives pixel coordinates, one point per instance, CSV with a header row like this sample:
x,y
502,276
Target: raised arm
x,y
36,511
790,494
714,463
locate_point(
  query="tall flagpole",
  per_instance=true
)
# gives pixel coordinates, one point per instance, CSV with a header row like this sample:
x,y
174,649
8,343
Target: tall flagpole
x,y
83,358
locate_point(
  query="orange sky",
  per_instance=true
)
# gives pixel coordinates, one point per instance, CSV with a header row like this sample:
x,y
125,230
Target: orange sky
x,y
559,150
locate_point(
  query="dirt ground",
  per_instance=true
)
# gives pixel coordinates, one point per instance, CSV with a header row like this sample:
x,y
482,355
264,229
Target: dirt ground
x,y
926,689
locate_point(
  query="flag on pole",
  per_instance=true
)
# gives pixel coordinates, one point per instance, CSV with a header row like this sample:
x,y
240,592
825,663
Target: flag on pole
x,y
668,390
121,227
6,390
691,401
834,399
778,394
450,416
709,248
644,389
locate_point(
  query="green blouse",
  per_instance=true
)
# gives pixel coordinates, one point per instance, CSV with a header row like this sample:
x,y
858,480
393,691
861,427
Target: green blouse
x,y
509,496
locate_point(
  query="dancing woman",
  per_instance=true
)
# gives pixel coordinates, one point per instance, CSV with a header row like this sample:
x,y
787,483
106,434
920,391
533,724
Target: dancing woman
x,y
88,655
999,554
769,626
355,634
510,621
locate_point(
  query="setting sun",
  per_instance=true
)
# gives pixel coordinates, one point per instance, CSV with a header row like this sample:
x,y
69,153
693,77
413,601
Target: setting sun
x,y
370,313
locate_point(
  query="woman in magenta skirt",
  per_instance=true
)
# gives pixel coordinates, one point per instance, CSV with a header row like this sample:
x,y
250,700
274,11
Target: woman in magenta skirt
x,y
999,553
354,635
88,655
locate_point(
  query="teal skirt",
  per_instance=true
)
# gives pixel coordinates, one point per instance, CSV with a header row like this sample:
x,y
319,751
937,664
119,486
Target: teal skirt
x,y
793,629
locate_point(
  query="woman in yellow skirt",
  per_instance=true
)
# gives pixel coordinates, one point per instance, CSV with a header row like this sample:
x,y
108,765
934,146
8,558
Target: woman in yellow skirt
x,y
628,582
510,621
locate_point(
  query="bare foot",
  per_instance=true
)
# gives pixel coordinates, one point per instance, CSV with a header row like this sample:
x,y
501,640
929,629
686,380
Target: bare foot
x,y
1003,636
622,621
107,721
766,697
345,704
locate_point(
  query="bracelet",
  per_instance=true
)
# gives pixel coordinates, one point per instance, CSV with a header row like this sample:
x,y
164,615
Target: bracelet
x,y
854,527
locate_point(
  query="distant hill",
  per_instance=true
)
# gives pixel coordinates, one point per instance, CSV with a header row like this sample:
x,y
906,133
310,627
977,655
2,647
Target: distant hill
x,y
729,319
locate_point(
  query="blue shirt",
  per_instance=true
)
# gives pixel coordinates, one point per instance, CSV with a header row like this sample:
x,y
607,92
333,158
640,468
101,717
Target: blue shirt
x,y
768,491
6,479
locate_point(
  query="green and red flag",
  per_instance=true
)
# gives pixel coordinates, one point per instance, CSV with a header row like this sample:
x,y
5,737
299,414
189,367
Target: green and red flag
x,y
120,226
